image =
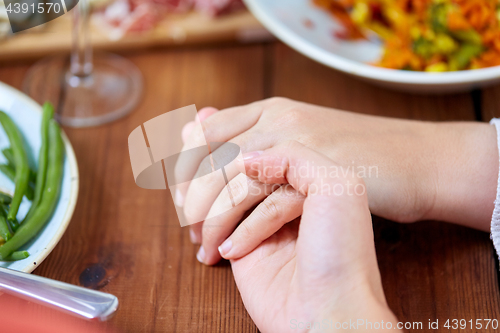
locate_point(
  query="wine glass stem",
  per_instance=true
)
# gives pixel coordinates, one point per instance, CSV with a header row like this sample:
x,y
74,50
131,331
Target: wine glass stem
x,y
81,53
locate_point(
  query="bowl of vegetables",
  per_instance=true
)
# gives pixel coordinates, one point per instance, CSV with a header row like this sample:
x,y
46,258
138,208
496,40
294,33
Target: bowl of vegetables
x,y
38,181
413,45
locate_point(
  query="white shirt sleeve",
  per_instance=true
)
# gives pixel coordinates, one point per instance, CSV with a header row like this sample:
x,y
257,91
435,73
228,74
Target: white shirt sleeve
x,y
495,219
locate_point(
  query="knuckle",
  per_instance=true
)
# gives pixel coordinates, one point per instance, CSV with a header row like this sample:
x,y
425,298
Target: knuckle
x,y
246,229
292,146
307,139
238,187
190,216
179,171
271,209
278,100
209,232
202,187
292,117
195,210
198,136
199,198
275,106
208,129
204,168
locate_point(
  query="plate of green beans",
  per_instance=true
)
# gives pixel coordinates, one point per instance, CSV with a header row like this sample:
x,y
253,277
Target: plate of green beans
x,y
38,181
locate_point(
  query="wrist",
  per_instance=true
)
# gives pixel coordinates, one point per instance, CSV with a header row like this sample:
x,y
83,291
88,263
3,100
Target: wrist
x,y
465,174
359,306
367,314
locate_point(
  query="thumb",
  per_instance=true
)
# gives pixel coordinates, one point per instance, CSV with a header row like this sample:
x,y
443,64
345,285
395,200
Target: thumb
x,y
335,241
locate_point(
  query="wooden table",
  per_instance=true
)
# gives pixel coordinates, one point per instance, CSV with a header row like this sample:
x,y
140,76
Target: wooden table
x,y
126,240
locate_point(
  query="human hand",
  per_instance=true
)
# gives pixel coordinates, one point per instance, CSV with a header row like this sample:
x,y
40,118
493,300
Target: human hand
x,y
321,270
413,170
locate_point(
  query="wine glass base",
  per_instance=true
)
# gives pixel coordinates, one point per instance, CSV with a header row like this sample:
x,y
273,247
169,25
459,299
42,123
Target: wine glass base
x,y
112,90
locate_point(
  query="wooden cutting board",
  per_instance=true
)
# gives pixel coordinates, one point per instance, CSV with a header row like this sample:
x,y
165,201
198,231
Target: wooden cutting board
x,y
191,28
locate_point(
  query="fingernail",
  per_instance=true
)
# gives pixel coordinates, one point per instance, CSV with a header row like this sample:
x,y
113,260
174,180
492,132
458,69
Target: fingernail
x,y
251,155
179,198
225,247
193,237
201,255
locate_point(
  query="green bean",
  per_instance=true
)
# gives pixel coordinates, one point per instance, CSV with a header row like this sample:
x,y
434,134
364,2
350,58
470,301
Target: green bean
x,y
468,36
3,212
18,255
48,113
9,156
11,174
8,170
21,162
424,48
13,224
438,17
31,226
4,229
462,57
5,199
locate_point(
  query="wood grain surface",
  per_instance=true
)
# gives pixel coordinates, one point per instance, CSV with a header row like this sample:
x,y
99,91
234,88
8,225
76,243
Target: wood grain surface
x,y
127,241
490,103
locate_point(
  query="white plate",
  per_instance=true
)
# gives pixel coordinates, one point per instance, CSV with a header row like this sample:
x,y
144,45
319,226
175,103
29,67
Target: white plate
x,y
26,113
286,19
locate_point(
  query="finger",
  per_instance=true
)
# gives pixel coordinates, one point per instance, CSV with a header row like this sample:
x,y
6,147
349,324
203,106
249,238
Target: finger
x,y
195,232
335,232
331,192
245,193
308,172
303,168
186,131
179,173
320,252
206,112
212,176
202,193
229,125
224,125
257,192
219,127
201,116
252,113
282,206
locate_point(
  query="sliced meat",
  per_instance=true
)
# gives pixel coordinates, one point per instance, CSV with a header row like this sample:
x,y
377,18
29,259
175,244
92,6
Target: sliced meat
x,y
218,7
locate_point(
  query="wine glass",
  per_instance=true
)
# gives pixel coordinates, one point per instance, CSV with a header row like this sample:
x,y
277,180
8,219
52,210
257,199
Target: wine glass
x,y
86,89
